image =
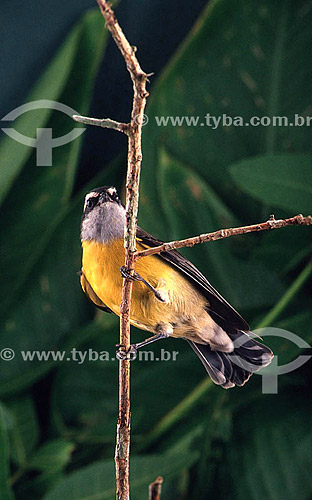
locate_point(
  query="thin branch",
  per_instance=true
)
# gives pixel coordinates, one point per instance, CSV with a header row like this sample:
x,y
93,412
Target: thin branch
x,y
121,41
134,132
103,122
226,233
154,489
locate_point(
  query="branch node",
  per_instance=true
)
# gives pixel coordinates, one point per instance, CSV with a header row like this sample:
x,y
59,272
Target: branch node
x,y
141,76
273,223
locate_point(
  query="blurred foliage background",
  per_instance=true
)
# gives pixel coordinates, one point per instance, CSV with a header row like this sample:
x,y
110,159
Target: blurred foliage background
x,y
57,419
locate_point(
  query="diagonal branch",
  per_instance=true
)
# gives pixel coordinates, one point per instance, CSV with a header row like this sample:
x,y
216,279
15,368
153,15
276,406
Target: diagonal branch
x,y
272,223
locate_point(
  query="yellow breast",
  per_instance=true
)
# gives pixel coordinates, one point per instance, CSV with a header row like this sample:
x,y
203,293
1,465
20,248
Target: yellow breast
x,y
101,265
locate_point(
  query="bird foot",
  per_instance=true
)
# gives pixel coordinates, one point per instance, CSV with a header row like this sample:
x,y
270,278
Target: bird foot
x,y
123,353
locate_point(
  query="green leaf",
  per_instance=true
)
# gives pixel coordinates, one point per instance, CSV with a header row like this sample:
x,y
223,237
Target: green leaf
x,y
5,490
296,245
96,482
53,305
38,485
275,450
280,180
192,208
53,456
18,330
84,393
50,86
24,433
239,60
298,324
41,194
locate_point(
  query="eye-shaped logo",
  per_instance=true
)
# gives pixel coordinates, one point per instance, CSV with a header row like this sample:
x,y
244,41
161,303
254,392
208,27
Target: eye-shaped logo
x,y
271,372
44,142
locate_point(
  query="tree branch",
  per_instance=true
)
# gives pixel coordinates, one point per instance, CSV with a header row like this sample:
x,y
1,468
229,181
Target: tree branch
x,y
226,233
103,122
154,489
134,132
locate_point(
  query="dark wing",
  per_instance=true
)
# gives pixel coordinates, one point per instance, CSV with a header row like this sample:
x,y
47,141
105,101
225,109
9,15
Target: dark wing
x,y
219,308
90,293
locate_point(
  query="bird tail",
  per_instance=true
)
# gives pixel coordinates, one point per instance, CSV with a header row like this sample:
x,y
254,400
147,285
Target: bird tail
x,y
234,368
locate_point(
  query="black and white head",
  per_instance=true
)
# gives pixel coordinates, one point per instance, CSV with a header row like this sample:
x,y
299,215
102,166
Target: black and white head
x,y
104,215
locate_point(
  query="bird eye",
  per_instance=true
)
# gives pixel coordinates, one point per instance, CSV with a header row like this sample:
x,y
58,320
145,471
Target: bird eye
x,y
91,202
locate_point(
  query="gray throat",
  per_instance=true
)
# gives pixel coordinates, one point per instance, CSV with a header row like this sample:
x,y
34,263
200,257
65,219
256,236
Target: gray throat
x,y
104,223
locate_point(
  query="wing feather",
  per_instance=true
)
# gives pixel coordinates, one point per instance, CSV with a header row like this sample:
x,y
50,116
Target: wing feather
x,y
219,308
90,293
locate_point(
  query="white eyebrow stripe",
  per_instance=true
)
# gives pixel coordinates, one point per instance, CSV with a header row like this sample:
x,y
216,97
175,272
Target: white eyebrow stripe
x,y
111,190
93,194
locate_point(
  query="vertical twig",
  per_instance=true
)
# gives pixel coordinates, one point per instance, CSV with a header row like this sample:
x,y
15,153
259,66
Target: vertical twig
x,y
134,133
154,489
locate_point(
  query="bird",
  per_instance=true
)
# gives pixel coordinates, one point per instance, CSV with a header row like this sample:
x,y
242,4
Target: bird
x,y
170,296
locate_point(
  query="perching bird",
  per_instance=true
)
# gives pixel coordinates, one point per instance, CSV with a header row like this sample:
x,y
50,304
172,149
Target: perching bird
x,y
170,296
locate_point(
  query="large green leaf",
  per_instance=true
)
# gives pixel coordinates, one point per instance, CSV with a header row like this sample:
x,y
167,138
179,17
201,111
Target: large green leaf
x,y
50,86
84,393
70,74
52,456
53,306
280,180
240,59
283,250
40,196
192,207
272,454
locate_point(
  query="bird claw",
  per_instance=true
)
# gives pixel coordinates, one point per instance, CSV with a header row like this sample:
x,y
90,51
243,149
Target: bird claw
x,y
126,273
123,354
